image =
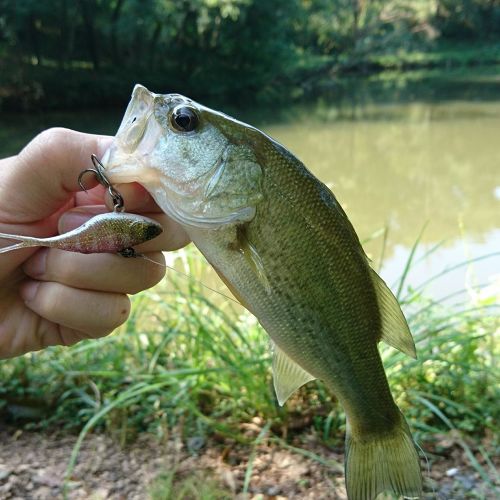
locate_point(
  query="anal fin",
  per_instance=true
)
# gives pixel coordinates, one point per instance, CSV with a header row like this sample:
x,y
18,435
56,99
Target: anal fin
x,y
288,376
395,330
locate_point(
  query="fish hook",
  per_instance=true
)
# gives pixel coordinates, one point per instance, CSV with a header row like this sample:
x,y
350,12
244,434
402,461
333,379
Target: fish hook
x,y
98,171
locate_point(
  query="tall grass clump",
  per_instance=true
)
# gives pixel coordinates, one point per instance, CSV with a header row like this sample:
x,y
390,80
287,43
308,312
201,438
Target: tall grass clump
x,y
194,363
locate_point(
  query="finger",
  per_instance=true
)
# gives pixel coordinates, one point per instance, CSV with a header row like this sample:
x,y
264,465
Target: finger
x,y
172,238
36,333
47,169
49,334
100,272
96,313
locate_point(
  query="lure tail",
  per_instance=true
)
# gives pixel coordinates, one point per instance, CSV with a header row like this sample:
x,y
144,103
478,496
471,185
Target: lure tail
x,y
389,463
25,242
12,247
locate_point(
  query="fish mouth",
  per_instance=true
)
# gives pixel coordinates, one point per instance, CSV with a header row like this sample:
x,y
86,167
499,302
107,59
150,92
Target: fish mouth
x,y
128,157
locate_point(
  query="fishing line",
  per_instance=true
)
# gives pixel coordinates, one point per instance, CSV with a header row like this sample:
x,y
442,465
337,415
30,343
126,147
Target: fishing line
x,y
187,276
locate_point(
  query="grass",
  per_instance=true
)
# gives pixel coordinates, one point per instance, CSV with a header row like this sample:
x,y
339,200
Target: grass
x,y
195,365
196,487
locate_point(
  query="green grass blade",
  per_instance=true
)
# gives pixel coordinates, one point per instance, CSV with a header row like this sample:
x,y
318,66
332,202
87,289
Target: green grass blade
x,y
251,460
408,264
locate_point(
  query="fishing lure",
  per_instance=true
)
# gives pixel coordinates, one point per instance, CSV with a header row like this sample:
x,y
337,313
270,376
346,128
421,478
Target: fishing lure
x,y
112,232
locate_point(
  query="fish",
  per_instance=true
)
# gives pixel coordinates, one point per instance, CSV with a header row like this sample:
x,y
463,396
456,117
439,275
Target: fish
x,y
284,246
111,232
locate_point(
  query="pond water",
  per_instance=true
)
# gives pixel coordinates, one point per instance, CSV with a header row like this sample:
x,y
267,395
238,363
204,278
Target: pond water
x,y
395,164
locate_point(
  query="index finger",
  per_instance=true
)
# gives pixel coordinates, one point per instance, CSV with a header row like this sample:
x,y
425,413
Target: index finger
x,y
44,175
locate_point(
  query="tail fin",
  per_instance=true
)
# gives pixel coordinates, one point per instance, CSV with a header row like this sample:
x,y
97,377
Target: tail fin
x,y
389,463
13,247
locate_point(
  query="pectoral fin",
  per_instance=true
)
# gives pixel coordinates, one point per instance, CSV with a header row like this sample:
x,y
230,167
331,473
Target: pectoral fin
x,y
252,257
288,376
395,331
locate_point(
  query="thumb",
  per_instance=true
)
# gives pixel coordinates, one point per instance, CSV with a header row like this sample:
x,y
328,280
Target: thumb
x,y
44,175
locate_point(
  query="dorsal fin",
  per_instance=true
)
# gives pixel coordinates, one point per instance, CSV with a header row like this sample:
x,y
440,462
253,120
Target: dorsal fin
x,y
288,376
395,331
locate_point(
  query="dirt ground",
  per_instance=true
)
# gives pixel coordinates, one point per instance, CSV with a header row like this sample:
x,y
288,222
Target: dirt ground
x,y
33,464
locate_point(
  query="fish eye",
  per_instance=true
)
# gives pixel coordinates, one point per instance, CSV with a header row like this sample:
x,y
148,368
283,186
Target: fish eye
x,y
184,119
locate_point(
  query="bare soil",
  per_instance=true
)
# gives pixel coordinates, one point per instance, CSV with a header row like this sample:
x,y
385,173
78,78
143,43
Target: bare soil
x,y
33,464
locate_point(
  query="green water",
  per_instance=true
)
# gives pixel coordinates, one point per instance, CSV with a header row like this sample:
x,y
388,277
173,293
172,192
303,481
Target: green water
x,y
421,157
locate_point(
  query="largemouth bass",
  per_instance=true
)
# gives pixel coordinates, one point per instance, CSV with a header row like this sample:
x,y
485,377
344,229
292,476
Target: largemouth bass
x,y
282,243
112,232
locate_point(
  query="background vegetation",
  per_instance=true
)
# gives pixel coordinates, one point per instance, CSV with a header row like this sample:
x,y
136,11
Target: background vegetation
x,y
189,364
90,52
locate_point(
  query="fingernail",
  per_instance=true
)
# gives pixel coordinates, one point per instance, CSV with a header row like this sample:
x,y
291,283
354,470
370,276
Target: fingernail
x,y
77,216
28,290
36,265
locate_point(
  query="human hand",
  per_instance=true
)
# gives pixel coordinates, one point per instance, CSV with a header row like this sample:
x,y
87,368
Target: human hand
x,y
49,296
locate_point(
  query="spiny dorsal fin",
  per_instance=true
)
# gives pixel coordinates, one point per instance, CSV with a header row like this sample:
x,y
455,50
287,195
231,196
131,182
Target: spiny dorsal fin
x,y
395,331
288,376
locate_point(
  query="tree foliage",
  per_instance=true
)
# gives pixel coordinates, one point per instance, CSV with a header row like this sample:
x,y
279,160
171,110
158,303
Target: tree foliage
x,y
230,48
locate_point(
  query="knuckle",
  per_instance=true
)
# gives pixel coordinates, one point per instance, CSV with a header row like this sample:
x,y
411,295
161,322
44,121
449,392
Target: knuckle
x,y
47,144
47,138
53,134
